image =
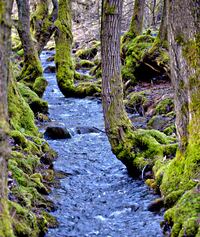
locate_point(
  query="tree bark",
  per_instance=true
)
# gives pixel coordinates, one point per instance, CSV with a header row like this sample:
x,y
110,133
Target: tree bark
x,y
162,35
5,47
63,40
32,68
43,22
117,123
136,25
184,52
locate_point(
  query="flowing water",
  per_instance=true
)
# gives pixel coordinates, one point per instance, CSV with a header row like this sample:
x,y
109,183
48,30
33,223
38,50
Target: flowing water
x,y
98,197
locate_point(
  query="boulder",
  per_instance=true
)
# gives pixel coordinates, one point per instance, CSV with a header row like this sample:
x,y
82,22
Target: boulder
x,y
87,129
57,133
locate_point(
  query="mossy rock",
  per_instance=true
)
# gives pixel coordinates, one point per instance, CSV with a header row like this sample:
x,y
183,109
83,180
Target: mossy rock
x,y
165,106
161,122
39,86
183,217
134,52
136,102
87,89
84,64
37,104
25,221
87,54
82,77
20,114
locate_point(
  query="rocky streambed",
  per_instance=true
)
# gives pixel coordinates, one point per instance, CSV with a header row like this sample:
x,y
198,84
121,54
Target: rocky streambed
x,y
96,197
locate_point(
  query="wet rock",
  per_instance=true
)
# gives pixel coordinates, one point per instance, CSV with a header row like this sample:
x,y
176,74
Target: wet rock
x,y
50,69
84,130
50,59
160,122
156,205
57,133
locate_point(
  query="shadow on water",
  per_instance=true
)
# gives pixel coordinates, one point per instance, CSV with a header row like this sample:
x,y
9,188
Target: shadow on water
x,y
98,197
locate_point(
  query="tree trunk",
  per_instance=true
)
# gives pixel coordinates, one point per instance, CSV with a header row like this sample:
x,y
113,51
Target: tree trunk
x,y
117,123
43,23
154,15
5,47
184,52
182,173
32,68
63,40
162,35
136,25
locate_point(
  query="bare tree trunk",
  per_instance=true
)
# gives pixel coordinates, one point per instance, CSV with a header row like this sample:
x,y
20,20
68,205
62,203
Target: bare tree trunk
x,y
136,25
5,47
32,68
162,35
43,23
153,15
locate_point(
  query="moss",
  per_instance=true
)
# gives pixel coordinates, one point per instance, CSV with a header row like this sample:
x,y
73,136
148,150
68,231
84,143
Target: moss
x,y
82,77
87,89
184,215
172,198
170,130
21,116
5,219
134,52
144,147
63,59
165,106
88,53
25,222
136,101
39,86
84,64
51,220
20,52
37,104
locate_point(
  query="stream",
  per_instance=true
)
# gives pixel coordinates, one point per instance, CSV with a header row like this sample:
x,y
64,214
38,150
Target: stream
x,y
97,197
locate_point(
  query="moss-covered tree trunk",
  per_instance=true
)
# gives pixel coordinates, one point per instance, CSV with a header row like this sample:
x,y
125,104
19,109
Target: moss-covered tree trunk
x,y
183,173
63,40
32,68
117,123
43,22
136,25
5,47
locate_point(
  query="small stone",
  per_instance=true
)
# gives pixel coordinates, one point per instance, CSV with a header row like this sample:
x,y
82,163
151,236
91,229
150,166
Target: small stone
x,y
156,205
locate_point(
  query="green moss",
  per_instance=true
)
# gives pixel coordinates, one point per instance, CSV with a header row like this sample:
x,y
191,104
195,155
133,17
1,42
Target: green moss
x,y
25,222
63,59
21,116
172,198
135,102
84,64
82,77
37,104
134,52
20,52
6,229
39,86
165,106
184,215
88,53
143,147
